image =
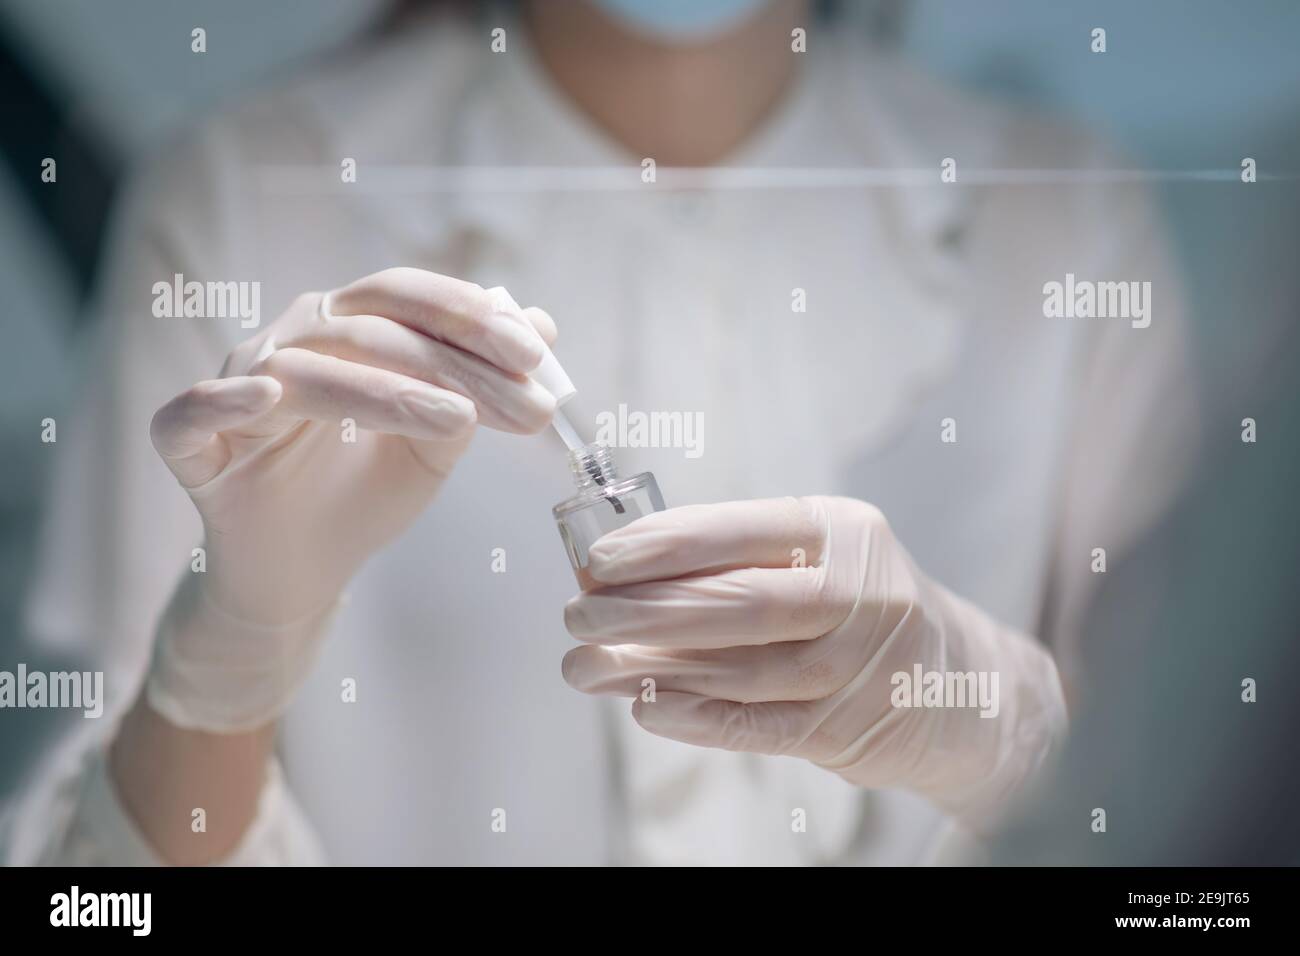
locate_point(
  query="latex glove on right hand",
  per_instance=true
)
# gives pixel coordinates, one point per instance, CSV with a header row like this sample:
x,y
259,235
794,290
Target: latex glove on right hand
x,y
748,649
293,501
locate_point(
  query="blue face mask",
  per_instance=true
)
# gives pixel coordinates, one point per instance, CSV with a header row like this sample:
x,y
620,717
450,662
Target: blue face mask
x,y
681,20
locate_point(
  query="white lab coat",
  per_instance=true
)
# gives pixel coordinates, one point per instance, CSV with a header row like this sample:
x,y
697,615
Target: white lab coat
x,y
923,303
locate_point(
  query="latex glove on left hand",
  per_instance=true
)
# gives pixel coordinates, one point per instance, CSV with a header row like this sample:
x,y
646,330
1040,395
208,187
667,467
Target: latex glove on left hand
x,y
750,651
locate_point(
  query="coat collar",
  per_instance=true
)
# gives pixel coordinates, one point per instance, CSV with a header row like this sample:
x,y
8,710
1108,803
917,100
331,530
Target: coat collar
x,y
433,114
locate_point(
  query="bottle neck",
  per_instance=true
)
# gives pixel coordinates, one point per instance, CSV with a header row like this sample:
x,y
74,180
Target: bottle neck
x,y
593,468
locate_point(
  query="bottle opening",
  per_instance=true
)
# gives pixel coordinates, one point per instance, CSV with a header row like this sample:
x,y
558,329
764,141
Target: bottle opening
x,y
592,466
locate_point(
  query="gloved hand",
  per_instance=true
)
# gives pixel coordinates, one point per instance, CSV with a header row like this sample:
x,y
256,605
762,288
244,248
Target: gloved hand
x,y
291,502
749,651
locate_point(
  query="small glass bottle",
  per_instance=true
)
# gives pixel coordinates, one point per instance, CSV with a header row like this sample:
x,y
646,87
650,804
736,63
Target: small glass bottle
x,y
603,502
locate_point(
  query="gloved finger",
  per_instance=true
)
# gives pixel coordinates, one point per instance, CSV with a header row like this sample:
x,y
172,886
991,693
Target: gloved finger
x,y
748,606
797,670
505,401
766,533
545,325
186,431
324,388
457,312
767,727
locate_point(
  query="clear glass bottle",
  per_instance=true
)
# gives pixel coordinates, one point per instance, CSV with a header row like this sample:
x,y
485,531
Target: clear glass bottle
x,y
603,502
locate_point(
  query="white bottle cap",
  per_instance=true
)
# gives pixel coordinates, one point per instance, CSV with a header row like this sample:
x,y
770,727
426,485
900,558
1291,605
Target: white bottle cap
x,y
551,376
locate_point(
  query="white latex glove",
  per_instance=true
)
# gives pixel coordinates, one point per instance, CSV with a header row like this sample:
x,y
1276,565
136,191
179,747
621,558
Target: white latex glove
x,y
290,507
750,652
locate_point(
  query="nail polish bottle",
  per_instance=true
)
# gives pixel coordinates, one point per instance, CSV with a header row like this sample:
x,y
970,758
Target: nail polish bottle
x,y
604,502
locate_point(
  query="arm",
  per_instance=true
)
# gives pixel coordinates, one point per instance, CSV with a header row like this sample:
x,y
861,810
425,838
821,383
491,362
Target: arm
x,y
1134,433
415,359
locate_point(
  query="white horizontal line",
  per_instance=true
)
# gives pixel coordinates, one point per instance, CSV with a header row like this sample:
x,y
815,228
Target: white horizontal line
x,y
415,179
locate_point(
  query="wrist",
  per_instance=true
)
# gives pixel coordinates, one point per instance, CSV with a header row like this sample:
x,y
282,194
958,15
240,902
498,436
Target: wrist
x,y
218,672
1026,727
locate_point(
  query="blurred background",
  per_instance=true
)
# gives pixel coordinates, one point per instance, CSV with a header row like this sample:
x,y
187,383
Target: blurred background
x,y
1185,84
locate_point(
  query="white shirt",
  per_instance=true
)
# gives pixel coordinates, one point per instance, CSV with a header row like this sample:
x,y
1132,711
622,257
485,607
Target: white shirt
x,y
924,303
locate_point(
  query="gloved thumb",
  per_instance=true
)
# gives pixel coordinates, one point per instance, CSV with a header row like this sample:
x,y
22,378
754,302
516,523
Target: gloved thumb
x,y
186,431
